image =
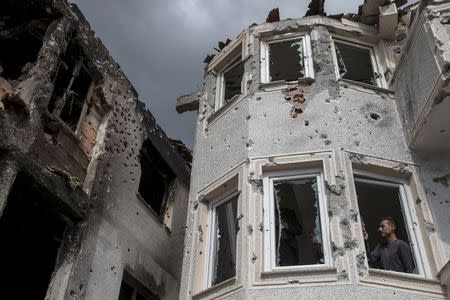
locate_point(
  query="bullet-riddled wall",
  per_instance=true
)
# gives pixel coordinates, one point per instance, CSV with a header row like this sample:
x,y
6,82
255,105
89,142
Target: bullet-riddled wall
x,y
339,126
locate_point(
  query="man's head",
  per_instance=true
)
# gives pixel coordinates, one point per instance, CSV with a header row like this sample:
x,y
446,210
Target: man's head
x,y
387,227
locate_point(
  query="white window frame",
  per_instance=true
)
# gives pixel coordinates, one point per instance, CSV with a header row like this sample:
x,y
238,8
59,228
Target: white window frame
x,y
265,55
379,82
269,218
410,217
220,82
212,232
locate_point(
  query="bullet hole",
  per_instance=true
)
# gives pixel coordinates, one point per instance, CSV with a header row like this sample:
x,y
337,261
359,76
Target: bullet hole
x,y
327,142
248,117
442,130
356,143
306,123
375,116
137,213
323,136
296,111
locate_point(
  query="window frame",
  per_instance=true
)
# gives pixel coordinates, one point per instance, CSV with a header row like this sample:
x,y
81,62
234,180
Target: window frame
x,y
269,218
410,216
137,286
380,81
170,188
265,56
212,232
220,82
61,102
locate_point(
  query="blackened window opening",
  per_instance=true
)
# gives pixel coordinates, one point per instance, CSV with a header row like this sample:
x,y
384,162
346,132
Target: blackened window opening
x,y
286,61
156,178
298,231
72,85
233,79
225,241
23,25
18,51
131,289
31,232
355,63
377,201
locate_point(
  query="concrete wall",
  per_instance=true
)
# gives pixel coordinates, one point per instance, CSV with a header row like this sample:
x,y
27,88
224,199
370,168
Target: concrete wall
x,y
336,117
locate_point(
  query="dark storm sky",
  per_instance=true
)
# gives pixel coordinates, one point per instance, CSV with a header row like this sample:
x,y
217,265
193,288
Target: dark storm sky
x,y
160,45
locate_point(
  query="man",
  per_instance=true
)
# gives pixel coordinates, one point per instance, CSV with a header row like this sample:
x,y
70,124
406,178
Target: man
x,y
393,254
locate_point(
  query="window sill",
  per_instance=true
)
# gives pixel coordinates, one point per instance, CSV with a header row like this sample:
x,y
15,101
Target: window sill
x,y
306,270
403,281
67,131
218,289
290,275
358,85
283,84
224,109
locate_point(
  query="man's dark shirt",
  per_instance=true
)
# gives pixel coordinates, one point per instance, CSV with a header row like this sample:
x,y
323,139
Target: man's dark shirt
x,y
394,257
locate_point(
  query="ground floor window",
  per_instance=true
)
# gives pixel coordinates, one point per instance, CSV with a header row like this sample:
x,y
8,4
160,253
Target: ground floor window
x,y
391,237
222,242
296,226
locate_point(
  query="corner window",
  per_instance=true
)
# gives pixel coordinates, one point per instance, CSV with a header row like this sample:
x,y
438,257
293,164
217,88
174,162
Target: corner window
x,y
391,235
357,63
222,241
295,221
157,179
286,59
230,82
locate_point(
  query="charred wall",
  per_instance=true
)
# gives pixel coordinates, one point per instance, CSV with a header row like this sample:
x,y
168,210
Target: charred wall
x,y
72,122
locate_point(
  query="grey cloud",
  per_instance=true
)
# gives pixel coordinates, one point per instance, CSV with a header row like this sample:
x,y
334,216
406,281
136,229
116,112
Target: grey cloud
x,y
161,45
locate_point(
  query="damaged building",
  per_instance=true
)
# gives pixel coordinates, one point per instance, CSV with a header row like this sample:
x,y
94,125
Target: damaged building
x,y
93,194
309,132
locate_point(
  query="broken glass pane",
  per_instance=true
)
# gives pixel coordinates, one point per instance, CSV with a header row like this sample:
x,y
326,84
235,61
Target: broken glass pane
x,y
298,231
225,241
287,61
232,81
355,63
341,63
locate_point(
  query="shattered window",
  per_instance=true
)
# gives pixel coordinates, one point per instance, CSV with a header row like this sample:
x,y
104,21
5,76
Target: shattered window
x,y
157,179
223,241
297,222
390,242
232,79
71,91
131,289
355,63
287,60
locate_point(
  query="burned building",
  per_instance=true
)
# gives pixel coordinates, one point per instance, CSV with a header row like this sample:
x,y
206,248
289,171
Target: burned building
x,y
309,132
93,194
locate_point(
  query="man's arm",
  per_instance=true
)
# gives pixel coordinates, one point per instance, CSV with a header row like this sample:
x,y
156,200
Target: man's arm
x,y
406,257
372,256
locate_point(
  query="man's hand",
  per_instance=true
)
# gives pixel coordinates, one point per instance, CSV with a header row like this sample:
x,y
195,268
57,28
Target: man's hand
x,y
365,234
